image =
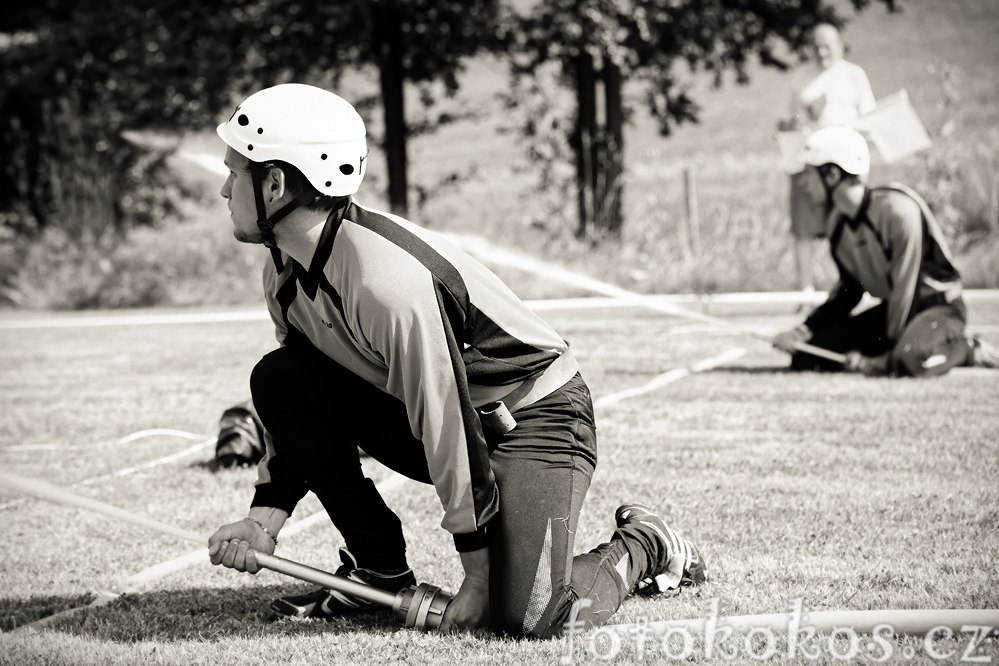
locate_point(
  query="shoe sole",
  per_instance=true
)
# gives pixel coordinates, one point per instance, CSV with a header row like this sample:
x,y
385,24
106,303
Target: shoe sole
x,y
287,609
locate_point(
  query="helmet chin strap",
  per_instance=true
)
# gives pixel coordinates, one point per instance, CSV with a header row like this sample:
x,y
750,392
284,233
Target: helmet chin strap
x,y
828,188
266,224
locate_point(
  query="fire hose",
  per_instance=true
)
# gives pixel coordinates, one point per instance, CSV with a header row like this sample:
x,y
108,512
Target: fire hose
x,y
421,606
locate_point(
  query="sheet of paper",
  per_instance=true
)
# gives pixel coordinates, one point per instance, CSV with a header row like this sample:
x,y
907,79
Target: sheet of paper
x,y
893,128
790,144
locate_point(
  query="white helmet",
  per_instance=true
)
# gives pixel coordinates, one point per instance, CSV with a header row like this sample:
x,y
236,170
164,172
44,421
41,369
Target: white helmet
x,y
310,128
842,146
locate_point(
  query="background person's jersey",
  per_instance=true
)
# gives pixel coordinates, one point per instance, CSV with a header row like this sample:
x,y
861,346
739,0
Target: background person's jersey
x,y
894,249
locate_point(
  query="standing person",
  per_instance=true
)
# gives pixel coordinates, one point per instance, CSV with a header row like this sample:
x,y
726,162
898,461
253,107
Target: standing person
x,y
834,97
885,242
395,340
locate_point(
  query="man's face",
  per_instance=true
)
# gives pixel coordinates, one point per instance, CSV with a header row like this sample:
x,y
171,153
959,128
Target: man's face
x,y
238,189
828,45
812,184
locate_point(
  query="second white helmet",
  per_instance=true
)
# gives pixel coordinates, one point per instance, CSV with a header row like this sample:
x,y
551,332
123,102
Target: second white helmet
x,y
312,129
842,146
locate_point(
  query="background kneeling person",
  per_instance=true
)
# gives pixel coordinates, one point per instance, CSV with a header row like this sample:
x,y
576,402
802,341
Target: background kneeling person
x,y
885,241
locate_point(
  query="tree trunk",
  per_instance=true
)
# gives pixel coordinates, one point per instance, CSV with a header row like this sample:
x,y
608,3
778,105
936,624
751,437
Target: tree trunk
x,y
609,215
585,134
387,36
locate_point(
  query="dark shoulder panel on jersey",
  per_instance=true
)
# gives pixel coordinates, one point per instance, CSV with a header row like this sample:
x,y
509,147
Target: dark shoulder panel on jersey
x,y
492,355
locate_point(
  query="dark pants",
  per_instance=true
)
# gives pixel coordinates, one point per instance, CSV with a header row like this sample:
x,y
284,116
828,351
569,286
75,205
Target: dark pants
x,y
933,340
318,413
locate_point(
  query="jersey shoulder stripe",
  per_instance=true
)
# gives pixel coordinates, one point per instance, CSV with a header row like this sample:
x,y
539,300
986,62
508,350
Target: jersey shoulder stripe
x,y
416,247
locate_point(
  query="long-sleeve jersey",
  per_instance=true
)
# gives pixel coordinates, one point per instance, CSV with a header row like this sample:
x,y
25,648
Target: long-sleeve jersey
x,y
894,249
415,316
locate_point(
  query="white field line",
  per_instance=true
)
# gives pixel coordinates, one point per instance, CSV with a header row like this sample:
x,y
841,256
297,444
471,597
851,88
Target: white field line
x,y
141,434
669,377
661,302
150,464
135,319
156,462
556,304
540,305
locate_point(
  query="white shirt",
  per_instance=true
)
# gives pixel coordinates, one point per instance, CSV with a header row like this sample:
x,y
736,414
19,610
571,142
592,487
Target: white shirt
x,y
835,97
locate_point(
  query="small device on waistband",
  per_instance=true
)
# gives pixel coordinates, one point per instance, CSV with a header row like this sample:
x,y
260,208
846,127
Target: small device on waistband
x,y
497,418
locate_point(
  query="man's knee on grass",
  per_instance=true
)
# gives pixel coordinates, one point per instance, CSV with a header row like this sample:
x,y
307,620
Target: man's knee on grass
x,y
932,343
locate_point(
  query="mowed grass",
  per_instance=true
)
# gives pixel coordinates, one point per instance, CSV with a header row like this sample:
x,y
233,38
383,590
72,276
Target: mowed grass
x,y
842,491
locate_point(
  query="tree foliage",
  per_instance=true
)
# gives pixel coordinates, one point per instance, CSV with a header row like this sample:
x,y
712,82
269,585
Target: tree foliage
x,y
79,73
612,41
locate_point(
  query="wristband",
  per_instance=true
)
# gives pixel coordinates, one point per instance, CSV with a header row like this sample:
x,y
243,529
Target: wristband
x,y
261,526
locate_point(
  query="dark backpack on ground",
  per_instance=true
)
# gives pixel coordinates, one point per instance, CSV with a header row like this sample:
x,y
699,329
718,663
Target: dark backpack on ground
x,y
241,437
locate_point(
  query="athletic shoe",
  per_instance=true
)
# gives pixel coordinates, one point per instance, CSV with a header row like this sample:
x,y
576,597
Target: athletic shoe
x,y
682,562
983,355
325,603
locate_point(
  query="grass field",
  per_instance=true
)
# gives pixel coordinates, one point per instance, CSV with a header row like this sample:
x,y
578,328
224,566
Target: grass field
x,y
842,491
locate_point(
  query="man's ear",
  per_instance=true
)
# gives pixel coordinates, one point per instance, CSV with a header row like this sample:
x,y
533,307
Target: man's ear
x,y
275,183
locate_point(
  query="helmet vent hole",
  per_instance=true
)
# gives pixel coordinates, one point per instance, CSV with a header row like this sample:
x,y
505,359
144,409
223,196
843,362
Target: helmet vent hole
x,y
328,183
243,120
250,147
323,156
346,169
260,130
